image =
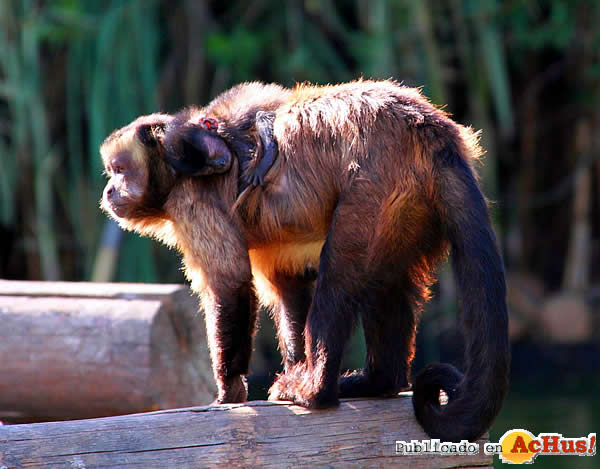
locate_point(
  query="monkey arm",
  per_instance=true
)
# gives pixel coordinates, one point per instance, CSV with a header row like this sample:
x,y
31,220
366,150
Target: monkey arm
x,y
217,264
264,125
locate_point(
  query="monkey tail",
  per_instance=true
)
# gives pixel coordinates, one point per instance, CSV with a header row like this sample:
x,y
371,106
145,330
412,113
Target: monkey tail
x,y
475,398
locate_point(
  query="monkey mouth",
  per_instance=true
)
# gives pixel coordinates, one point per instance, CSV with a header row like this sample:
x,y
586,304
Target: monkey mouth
x,y
116,209
120,210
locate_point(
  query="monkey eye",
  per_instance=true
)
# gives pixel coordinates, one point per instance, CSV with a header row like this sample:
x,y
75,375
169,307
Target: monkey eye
x,y
118,169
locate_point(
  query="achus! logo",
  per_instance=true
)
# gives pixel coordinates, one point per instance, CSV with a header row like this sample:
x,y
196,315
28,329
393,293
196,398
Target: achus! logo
x,y
522,447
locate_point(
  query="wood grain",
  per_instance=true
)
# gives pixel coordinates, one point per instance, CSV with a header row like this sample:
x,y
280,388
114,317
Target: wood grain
x,y
358,434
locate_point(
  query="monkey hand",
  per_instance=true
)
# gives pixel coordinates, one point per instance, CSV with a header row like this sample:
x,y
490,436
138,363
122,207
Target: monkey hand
x,y
256,176
264,125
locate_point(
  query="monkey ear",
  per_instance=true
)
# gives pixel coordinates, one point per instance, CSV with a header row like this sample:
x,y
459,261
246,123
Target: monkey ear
x,y
198,152
152,135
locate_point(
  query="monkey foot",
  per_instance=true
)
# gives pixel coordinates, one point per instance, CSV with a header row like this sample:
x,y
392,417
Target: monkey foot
x,y
232,390
299,386
359,384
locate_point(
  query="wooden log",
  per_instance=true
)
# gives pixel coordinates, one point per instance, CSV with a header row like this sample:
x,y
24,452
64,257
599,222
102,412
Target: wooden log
x,y
174,293
360,433
81,350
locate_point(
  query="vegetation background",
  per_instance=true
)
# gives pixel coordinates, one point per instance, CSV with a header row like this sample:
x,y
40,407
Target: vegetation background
x,y
527,72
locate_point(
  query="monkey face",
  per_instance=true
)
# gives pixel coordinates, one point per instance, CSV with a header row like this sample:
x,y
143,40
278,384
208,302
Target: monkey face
x,y
139,176
126,186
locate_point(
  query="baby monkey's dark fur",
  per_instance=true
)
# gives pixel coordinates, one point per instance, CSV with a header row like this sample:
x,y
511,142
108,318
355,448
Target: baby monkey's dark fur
x,y
371,187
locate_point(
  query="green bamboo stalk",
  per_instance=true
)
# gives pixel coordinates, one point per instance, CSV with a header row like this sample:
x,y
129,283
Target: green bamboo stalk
x,y
382,63
494,61
323,54
144,24
8,162
74,95
431,55
43,158
8,182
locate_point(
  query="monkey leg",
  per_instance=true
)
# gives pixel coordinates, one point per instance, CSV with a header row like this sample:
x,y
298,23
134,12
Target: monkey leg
x,y
230,324
389,326
293,295
407,244
331,318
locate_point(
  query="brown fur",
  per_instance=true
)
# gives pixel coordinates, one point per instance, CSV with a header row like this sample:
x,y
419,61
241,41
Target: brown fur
x,y
370,183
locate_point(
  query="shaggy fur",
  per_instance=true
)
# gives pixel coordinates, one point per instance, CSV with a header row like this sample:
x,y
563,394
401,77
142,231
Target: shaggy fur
x,y
371,188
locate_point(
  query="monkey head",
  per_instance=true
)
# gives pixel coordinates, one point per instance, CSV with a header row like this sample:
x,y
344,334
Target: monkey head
x,y
140,176
194,145
145,159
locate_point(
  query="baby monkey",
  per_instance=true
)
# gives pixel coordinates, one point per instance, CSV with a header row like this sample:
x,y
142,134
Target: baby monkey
x,y
201,151
203,141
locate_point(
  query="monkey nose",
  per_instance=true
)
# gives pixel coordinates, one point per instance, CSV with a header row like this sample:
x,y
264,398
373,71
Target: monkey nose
x,y
110,191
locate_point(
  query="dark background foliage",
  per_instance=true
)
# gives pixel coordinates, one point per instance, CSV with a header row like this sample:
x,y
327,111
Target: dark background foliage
x,y
527,72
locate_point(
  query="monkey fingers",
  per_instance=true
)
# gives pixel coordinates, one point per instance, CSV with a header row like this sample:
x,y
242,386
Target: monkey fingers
x,y
264,125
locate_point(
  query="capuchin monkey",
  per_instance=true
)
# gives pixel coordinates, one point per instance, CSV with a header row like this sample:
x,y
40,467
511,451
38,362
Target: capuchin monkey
x,y
362,189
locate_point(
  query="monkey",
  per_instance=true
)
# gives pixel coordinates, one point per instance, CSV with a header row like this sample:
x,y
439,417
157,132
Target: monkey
x,y
206,138
246,132
371,189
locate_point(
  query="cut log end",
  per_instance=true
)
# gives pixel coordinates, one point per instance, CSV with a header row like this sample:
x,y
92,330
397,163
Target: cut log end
x,y
81,350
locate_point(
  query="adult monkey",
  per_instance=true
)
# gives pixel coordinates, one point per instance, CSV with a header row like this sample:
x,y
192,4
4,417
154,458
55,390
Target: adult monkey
x,y
371,187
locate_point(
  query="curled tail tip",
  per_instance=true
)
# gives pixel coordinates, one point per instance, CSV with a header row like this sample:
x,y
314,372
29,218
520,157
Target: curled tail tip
x,y
463,417
434,378
428,383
